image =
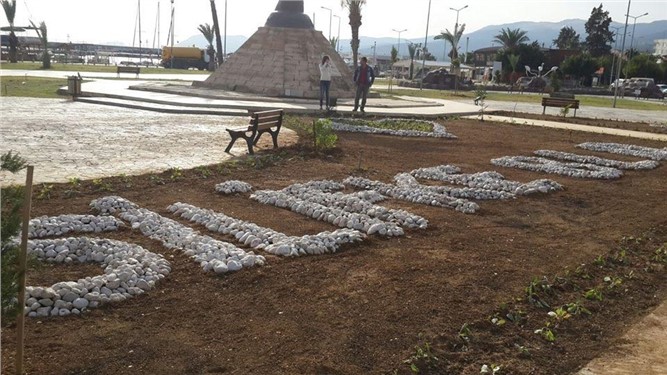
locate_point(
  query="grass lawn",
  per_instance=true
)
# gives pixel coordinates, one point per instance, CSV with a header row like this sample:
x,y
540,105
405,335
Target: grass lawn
x,y
93,68
33,87
584,100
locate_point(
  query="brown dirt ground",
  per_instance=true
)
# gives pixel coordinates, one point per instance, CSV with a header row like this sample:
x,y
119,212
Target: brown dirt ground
x,y
366,309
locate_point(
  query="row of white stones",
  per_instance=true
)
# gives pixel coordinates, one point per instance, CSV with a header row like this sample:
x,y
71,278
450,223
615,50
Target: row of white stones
x,y
579,170
46,226
625,149
211,254
335,216
129,270
358,202
439,131
232,187
589,159
408,181
269,240
415,194
485,182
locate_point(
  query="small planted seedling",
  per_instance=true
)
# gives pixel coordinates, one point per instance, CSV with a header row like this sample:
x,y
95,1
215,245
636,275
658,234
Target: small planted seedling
x,y
73,183
126,180
498,321
175,174
593,295
558,316
600,261
490,369
546,332
101,185
576,308
517,317
423,355
45,191
620,257
523,351
613,282
204,172
155,179
660,254
537,290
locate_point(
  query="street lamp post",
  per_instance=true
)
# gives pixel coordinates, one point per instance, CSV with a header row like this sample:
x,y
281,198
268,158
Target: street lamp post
x,y
428,19
330,19
338,37
398,52
613,59
632,39
456,30
620,57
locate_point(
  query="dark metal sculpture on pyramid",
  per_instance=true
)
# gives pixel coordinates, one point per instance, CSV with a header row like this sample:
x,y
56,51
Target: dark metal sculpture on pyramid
x,y
282,59
289,13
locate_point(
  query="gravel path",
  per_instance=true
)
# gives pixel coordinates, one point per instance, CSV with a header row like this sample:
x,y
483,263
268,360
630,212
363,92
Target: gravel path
x,y
64,139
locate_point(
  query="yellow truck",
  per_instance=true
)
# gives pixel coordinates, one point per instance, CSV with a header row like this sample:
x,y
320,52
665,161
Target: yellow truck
x,y
184,58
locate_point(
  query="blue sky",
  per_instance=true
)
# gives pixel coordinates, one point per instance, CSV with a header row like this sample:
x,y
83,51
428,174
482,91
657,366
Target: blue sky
x,y
103,21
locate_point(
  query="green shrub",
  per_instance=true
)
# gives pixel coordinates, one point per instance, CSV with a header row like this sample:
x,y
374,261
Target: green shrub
x,y
323,134
12,203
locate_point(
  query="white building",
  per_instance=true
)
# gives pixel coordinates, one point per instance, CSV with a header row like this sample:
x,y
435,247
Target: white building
x,y
660,47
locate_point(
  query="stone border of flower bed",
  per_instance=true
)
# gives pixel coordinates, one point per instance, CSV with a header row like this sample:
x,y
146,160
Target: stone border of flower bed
x,y
271,241
232,187
416,194
47,226
211,254
578,170
589,159
439,131
483,185
129,270
625,149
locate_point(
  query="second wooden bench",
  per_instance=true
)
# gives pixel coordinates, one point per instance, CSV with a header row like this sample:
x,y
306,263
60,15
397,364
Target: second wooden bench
x,y
560,100
127,69
260,123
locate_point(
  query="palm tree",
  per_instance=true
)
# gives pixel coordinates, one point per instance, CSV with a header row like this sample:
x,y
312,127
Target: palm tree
x,y
511,39
453,40
43,38
10,12
216,27
412,49
354,6
208,33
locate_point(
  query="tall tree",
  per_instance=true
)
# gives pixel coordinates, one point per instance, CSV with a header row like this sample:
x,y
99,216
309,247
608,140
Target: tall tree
x,y
10,12
453,40
354,6
581,66
568,38
412,49
209,34
511,39
394,54
216,27
43,38
599,39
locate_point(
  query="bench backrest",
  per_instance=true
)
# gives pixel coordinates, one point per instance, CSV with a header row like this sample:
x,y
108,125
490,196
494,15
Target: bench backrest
x,y
267,119
560,102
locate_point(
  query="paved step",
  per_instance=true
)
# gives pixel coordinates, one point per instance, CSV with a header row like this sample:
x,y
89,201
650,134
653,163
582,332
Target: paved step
x,y
162,108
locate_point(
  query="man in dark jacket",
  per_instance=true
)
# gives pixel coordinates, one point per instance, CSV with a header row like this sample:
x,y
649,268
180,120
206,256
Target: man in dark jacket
x,y
363,78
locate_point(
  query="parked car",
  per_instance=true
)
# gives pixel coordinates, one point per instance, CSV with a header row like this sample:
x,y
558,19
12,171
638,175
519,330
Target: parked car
x,y
620,84
662,87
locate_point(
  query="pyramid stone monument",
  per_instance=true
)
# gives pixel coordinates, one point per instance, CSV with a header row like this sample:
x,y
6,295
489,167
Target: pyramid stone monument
x,y
282,59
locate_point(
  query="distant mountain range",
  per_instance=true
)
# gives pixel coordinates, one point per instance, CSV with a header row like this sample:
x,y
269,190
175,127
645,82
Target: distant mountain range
x,y
543,32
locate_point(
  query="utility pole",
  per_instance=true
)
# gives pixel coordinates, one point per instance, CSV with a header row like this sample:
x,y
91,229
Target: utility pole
x,y
428,19
620,57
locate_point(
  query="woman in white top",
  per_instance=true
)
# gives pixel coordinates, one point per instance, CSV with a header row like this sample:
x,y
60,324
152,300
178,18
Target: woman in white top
x,y
325,80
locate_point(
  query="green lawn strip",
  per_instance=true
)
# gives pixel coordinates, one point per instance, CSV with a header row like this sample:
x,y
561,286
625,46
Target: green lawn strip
x,y
93,68
394,124
32,87
590,101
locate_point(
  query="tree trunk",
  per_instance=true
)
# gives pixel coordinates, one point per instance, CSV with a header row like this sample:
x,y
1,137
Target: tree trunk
x,y
355,23
13,44
216,27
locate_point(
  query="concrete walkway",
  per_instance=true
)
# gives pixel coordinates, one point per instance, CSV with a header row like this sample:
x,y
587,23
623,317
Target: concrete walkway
x,y
575,127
